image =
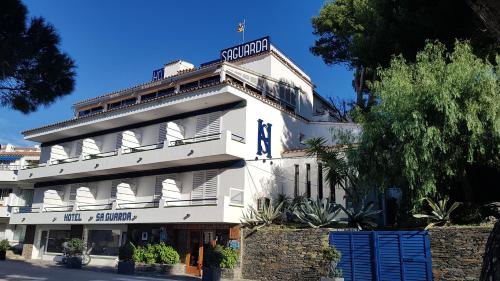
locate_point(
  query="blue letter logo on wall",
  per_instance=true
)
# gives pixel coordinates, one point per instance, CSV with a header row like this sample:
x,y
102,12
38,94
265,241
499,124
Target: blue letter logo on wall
x,y
262,138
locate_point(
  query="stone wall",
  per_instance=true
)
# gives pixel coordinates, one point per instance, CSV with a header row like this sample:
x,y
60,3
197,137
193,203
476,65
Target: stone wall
x,y
457,253
284,254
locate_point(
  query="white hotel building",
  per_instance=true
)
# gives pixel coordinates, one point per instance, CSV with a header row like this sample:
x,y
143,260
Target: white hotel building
x,y
177,159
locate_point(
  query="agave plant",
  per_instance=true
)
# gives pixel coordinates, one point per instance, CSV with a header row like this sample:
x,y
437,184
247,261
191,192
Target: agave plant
x,y
361,215
256,219
440,213
317,213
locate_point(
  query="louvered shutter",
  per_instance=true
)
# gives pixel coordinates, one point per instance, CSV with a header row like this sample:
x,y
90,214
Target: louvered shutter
x,y
72,193
207,125
78,148
204,187
114,188
197,192
119,140
210,190
159,186
162,132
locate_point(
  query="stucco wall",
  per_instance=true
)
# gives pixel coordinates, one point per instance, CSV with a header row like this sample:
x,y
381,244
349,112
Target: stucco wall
x,y
457,253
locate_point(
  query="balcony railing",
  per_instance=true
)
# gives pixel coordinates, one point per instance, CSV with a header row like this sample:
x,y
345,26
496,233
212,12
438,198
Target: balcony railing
x,y
67,208
196,139
101,155
127,150
191,202
23,209
93,207
138,205
65,160
4,167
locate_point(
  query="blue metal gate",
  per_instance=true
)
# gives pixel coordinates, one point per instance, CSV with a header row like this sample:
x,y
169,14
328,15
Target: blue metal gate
x,y
384,255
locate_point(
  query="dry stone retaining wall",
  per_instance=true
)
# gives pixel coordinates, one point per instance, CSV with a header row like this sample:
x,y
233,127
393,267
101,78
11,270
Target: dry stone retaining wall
x,y
457,252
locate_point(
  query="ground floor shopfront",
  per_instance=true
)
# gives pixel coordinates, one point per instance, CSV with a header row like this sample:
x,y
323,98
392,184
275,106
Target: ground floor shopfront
x,y
104,240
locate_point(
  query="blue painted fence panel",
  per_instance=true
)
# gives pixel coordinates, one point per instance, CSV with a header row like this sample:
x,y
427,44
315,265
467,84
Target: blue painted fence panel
x,y
384,255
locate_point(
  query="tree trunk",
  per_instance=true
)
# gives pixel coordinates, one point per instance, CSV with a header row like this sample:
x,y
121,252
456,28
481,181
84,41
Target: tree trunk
x,y
491,259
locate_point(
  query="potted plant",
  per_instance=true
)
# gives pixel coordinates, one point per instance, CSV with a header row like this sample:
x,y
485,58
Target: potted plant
x,y
4,246
126,263
75,250
332,256
211,263
168,257
229,261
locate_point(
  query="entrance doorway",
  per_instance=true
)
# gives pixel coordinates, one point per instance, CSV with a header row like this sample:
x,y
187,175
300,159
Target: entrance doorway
x,y
197,242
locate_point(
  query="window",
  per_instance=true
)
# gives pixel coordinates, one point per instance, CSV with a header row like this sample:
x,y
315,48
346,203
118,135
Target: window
x,y
296,182
164,92
189,86
122,103
147,97
204,187
209,80
332,191
308,180
103,242
93,110
263,201
320,181
4,193
56,239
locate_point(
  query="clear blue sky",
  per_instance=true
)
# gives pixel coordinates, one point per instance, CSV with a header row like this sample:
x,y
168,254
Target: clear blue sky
x,y
117,44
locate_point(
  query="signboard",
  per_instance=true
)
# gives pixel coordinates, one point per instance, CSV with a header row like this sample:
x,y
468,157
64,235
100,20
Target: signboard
x,y
246,49
158,74
264,137
102,217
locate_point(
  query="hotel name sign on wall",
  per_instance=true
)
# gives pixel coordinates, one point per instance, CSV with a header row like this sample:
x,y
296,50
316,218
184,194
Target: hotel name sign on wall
x,y
246,49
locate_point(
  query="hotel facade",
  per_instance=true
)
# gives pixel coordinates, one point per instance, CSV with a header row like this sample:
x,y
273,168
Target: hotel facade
x,y
178,159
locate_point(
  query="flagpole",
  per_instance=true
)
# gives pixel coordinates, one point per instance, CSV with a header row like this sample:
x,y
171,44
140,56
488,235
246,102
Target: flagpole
x,y
244,27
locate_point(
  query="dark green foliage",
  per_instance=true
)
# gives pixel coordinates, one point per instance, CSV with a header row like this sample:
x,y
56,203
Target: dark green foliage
x,y
4,245
33,71
158,253
126,252
220,257
366,34
75,246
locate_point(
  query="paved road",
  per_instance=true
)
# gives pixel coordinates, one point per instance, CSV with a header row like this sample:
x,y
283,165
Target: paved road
x,y
26,271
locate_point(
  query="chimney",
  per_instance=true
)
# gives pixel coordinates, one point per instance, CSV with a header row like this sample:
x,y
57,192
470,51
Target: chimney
x,y
172,68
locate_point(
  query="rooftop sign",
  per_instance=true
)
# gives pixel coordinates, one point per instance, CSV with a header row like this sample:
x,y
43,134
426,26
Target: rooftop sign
x,y
246,49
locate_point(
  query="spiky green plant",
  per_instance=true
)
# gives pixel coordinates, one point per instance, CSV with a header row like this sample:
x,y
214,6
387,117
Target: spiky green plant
x,y
440,213
361,215
256,219
317,213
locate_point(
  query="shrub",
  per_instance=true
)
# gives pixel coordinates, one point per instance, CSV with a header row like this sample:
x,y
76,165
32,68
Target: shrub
x,y
220,257
75,246
332,255
139,254
158,253
4,245
440,212
149,254
166,254
256,219
126,252
229,258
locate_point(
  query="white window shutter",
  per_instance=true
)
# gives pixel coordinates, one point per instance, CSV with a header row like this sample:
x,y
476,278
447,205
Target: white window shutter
x,y
204,186
119,140
162,132
78,148
114,188
72,192
159,186
208,124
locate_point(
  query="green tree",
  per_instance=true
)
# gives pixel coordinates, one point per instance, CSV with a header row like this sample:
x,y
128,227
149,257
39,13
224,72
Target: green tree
x,y
437,126
33,71
365,34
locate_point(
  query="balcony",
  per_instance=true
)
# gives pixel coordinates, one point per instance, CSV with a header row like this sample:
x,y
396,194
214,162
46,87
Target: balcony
x,y
9,172
223,146
208,210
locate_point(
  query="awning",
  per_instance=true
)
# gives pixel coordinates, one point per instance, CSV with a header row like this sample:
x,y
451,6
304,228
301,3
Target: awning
x,y
10,157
